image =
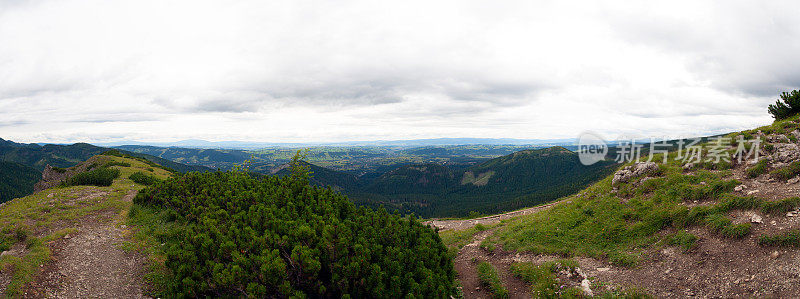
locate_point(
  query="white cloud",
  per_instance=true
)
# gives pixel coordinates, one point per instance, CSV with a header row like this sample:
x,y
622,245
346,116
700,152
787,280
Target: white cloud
x,y
78,70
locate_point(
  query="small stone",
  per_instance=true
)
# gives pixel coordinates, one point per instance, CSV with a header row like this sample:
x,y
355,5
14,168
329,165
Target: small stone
x,y
773,222
66,236
755,218
50,195
587,289
775,254
790,214
4,253
794,180
752,192
603,269
740,188
668,271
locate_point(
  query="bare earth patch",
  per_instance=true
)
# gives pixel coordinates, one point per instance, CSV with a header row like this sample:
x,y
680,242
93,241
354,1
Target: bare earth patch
x,y
91,263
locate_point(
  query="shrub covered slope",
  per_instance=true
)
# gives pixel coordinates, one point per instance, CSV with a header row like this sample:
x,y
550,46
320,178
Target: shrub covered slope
x,y
233,234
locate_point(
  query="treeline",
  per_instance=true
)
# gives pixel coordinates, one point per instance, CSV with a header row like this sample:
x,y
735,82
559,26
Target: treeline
x,y
238,235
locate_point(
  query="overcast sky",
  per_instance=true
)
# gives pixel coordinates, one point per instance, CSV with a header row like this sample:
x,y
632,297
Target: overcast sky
x,y
316,71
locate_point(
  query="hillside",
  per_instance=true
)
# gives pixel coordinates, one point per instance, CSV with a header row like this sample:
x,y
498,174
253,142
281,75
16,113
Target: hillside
x,y
675,229
70,240
16,180
514,181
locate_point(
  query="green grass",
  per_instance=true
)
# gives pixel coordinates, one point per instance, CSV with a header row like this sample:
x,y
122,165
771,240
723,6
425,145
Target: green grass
x,y
787,172
460,238
779,207
683,239
758,169
787,239
620,227
152,227
117,163
488,276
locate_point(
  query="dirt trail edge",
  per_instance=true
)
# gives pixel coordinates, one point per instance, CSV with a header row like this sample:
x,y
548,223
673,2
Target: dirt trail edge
x,y
459,224
90,263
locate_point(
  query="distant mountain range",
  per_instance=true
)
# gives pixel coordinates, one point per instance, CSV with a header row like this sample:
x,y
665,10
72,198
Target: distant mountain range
x,y
196,143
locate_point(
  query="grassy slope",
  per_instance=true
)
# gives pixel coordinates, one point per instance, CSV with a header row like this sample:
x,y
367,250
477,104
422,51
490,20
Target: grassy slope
x,y
620,226
37,219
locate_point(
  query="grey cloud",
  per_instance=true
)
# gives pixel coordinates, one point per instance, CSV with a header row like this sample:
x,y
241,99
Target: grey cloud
x,y
738,48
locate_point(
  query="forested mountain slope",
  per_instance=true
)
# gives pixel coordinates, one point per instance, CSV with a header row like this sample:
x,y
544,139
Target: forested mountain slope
x,y
514,181
16,180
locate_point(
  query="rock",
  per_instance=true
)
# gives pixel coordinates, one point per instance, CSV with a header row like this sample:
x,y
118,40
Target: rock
x,y
751,192
586,287
688,166
785,153
773,222
775,254
740,188
794,180
668,271
603,269
790,214
4,253
635,170
50,195
703,183
755,218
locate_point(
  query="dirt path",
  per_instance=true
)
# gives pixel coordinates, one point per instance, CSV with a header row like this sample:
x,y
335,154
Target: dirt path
x,y
459,224
466,263
91,264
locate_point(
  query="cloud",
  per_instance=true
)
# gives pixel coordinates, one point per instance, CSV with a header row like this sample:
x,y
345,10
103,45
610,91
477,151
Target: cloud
x,y
308,71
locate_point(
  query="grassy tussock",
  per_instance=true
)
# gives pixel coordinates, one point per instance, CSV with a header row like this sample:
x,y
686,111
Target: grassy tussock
x,y
787,172
489,278
787,239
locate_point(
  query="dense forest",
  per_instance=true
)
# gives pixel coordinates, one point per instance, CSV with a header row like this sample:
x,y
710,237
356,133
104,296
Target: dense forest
x,y
236,234
514,181
16,180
